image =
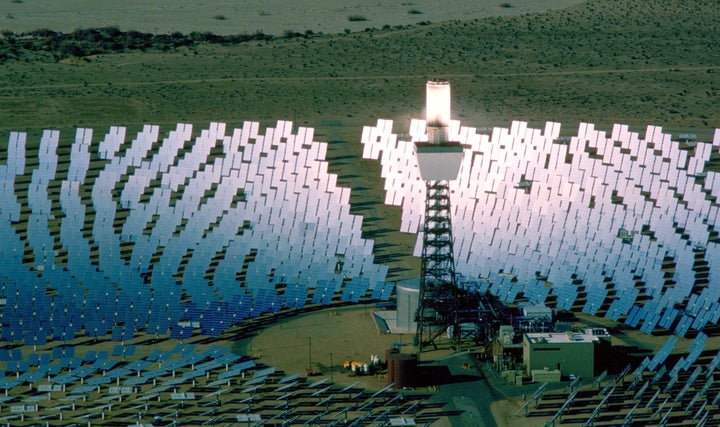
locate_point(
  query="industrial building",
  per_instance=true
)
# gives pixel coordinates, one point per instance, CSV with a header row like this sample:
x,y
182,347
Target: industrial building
x,y
553,356
536,311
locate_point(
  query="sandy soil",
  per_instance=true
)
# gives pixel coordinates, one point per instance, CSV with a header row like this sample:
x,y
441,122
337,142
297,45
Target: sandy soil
x,y
346,333
504,410
249,16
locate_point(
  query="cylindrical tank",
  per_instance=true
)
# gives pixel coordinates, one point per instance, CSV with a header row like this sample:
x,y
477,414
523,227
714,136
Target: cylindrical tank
x,y
390,351
408,298
390,355
406,370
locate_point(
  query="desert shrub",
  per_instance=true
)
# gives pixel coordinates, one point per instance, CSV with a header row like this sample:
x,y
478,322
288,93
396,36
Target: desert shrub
x,y
290,34
92,41
219,17
414,12
135,40
505,5
8,48
205,37
356,18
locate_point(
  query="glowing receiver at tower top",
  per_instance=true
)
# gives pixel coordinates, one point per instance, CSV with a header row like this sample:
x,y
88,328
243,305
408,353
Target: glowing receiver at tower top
x,y
438,159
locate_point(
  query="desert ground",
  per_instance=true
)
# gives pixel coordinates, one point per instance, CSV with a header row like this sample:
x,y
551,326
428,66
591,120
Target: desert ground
x,y
631,61
638,62
248,16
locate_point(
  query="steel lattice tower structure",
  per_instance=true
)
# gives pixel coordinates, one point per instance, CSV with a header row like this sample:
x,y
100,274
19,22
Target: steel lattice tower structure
x,y
438,304
439,161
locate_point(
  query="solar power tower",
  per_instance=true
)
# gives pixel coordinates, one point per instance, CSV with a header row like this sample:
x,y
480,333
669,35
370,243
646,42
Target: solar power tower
x,y
439,161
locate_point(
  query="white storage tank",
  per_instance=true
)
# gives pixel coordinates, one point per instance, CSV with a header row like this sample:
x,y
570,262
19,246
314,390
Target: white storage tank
x,y
408,298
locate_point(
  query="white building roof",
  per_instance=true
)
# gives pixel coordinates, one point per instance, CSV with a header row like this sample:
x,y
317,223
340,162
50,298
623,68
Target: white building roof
x,y
560,338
